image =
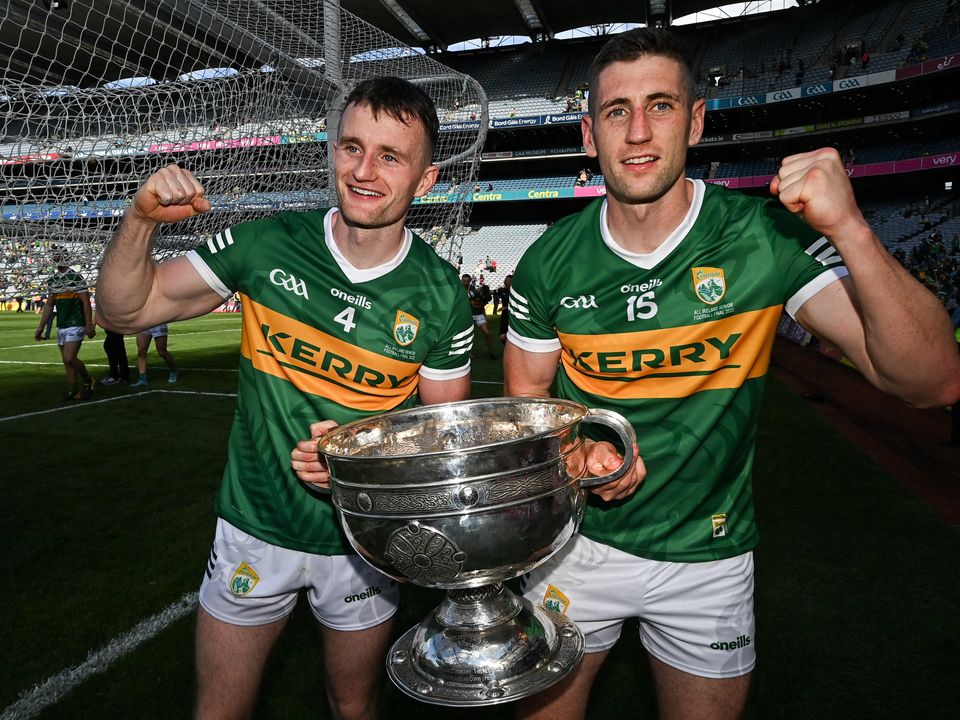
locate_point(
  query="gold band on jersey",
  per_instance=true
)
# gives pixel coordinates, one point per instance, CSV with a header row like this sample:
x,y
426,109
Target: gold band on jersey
x,y
672,362
320,364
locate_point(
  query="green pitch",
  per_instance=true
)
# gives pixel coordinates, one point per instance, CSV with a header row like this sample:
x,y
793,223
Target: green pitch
x,y
106,510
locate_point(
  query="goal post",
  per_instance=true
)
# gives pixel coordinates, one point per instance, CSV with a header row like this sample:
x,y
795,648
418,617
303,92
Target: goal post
x,y
95,95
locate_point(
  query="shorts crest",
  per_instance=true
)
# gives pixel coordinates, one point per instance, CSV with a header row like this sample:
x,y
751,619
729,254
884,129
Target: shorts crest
x,y
709,284
555,600
244,580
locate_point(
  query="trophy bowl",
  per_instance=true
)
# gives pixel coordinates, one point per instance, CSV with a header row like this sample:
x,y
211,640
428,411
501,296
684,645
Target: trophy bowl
x,y
461,497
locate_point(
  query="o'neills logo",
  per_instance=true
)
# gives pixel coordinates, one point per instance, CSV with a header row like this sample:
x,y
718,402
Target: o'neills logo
x,y
369,592
741,642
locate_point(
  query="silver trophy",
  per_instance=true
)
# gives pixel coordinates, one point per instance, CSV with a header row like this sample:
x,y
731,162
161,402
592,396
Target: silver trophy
x,y
462,497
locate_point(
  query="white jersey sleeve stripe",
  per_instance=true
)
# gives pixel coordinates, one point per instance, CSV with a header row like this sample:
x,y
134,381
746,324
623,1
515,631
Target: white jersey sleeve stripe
x,y
208,275
794,303
461,350
451,374
533,344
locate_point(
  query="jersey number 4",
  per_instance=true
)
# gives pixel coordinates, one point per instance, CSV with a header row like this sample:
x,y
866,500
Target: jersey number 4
x,y
346,319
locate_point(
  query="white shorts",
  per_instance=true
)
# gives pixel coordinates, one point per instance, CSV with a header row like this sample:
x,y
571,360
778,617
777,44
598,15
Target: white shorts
x,y
479,320
70,334
250,582
696,617
155,331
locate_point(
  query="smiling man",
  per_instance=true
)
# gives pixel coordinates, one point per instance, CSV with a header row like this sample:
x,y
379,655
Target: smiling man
x,y
661,302
346,314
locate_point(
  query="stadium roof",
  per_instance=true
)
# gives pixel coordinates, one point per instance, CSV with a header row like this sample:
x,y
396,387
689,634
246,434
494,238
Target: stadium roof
x,y
441,23
87,42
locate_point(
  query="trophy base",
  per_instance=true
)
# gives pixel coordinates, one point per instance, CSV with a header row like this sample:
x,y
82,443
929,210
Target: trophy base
x,y
484,646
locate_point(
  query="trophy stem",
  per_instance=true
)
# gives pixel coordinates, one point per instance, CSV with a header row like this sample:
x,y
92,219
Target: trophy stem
x,y
478,608
484,646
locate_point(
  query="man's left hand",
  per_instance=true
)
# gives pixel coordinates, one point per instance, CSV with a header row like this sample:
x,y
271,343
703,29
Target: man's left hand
x,y
815,186
603,459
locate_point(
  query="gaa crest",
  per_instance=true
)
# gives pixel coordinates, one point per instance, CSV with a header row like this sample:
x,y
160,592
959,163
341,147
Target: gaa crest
x,y
405,328
709,284
244,580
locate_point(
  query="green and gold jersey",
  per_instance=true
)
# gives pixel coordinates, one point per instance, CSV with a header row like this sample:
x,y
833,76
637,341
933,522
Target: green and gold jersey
x,y
65,288
322,340
678,341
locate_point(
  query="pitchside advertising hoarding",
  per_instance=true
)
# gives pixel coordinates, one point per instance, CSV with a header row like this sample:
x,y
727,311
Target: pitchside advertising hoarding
x,y
114,208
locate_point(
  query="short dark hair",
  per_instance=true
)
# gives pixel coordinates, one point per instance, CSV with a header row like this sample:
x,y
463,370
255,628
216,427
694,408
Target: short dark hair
x,y
633,44
401,100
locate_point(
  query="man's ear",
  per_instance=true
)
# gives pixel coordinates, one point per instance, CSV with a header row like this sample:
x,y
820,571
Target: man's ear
x,y
427,181
586,129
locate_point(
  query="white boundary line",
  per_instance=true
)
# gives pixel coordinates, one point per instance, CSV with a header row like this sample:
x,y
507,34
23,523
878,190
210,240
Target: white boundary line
x,y
103,365
88,403
54,688
127,338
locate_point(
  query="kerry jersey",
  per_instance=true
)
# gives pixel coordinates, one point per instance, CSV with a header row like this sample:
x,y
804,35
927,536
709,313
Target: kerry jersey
x,y
65,289
678,341
322,340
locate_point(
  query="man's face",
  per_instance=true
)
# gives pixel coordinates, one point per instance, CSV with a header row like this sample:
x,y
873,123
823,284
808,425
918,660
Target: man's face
x,y
641,128
466,280
381,165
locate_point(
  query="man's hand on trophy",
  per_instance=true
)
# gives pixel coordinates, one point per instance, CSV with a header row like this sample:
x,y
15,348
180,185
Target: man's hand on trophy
x,y
602,459
305,459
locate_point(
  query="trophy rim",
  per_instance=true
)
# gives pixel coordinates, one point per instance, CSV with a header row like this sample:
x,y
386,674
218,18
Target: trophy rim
x,y
337,433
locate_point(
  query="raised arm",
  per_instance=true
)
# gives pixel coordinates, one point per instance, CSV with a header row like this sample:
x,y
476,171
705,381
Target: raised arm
x,y
135,292
893,329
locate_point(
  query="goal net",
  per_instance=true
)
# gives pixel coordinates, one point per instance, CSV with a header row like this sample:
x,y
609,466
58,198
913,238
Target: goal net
x,y
95,95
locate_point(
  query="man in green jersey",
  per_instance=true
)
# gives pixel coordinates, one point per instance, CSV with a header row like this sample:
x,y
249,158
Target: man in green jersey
x,y
661,302
346,314
68,292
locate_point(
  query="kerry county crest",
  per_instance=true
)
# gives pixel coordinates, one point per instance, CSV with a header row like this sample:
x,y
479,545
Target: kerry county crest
x,y
244,580
405,328
709,284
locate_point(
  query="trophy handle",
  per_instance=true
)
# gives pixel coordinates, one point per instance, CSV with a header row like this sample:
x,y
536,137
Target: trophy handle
x,y
616,422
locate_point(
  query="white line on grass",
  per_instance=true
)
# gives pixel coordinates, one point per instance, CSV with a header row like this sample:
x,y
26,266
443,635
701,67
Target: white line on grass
x,y
189,369
128,338
88,403
103,365
54,688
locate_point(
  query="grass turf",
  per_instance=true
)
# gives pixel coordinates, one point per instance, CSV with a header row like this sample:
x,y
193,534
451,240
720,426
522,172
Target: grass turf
x,y
107,511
